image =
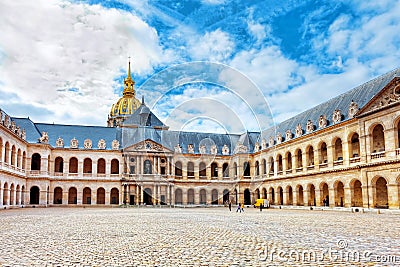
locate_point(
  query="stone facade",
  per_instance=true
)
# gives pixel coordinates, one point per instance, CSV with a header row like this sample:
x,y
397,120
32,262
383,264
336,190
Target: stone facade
x,y
347,163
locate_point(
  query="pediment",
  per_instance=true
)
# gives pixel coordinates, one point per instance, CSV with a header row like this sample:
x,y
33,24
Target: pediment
x,y
388,96
148,146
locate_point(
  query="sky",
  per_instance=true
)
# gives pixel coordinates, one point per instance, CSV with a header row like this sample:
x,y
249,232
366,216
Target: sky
x,y
64,61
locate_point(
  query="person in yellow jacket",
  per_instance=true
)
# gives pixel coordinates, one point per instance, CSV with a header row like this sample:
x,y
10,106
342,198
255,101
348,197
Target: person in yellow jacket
x,y
242,207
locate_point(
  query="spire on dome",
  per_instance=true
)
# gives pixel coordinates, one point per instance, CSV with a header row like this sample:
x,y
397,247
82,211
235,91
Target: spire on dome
x,y
129,82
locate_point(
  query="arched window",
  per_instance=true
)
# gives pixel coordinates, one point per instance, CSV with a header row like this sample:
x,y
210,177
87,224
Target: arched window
x,y
1,149
271,166
7,152
35,162
13,155
264,166
214,197
58,165
257,167
101,166
310,156
190,196
323,156
87,165
202,169
203,196
246,168
214,169
190,169
114,166
235,170
299,159
178,168
378,139
73,165
24,160
289,161
338,153
178,195
225,169
147,167
280,164
355,146
19,158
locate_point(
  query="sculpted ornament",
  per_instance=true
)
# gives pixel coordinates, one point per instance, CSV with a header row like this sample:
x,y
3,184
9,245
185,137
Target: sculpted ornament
x,y
271,141
279,138
263,144
44,139
202,149
256,147
309,126
353,109
289,135
6,120
115,144
337,116
87,144
59,142
101,144
74,143
23,134
13,126
240,148
214,149
178,148
190,148
225,150
299,130
322,122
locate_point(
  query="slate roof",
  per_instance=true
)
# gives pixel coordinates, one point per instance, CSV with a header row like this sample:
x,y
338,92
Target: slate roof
x,y
361,95
150,119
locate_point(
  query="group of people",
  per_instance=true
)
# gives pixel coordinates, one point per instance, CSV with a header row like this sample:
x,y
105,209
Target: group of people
x,y
240,207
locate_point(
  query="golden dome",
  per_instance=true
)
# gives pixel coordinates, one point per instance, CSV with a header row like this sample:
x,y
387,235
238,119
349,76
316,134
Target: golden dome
x,y
128,103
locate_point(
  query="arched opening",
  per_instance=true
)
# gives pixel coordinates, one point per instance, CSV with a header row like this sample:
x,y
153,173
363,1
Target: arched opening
x,y
299,159
378,139
34,195
1,149
339,194
225,196
147,167
272,195
35,162
247,197
58,192
310,156
202,170
356,194
381,193
280,196
6,193
148,199
87,165
190,170
23,195
58,165
264,193
323,157
101,166
289,192
257,193
271,166
257,168
289,161
101,196
24,160
300,196
13,155
114,166
338,150
214,197
311,195
203,196
235,169
18,194
12,193
114,196
214,169
72,196
190,196
178,196
280,164
324,201
19,158
73,165
246,168
178,169
264,166
355,146
87,196
7,152
225,170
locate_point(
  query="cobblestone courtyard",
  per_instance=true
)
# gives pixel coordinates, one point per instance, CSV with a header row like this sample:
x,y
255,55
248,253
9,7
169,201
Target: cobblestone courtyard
x,y
196,237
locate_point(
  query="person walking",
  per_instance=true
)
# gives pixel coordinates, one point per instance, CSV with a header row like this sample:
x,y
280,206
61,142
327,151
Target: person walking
x,y
239,208
242,207
230,206
261,206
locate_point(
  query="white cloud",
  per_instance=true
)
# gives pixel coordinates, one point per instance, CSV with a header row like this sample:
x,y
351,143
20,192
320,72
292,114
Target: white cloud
x,y
213,2
60,45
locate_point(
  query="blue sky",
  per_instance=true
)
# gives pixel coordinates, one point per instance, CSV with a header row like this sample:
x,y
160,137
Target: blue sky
x,y
64,61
